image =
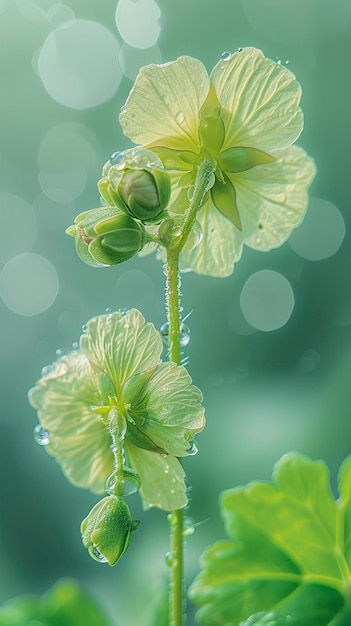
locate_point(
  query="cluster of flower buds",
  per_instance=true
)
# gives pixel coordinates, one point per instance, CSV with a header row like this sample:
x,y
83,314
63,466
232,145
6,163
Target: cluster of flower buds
x,y
107,530
135,189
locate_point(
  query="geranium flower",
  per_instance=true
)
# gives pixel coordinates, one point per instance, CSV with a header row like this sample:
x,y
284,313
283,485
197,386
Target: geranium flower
x,y
118,368
246,116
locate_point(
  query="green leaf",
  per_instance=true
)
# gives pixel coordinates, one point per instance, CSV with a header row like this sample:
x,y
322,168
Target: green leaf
x,y
66,604
288,558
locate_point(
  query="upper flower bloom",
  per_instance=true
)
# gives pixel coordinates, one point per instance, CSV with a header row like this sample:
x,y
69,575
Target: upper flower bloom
x,y
118,370
245,116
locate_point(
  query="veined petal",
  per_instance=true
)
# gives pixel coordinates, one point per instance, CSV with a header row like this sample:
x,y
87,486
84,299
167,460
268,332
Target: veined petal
x,y
172,409
259,101
219,248
78,438
162,478
163,106
121,345
273,198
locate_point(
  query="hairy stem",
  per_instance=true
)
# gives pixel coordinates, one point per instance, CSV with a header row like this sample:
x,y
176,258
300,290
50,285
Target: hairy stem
x,y
204,172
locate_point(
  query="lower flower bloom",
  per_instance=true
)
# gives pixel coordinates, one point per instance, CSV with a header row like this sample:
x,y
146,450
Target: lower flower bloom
x,y
118,368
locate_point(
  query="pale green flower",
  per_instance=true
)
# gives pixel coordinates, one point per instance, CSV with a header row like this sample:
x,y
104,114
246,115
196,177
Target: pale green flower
x,y
246,116
118,367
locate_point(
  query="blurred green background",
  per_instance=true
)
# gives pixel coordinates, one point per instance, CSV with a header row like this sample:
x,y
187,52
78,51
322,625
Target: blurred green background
x,y
275,377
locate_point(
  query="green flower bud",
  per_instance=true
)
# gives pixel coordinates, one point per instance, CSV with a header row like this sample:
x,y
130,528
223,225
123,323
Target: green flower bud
x,y
106,236
107,530
137,183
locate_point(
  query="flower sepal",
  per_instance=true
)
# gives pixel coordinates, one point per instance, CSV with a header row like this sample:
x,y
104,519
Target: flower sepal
x,y
137,182
107,236
107,530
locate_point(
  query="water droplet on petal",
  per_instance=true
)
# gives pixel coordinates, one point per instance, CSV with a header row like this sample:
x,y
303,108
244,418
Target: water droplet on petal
x,y
225,56
193,449
41,435
278,60
75,345
59,352
124,109
108,310
240,49
84,328
46,370
287,63
118,160
98,556
180,118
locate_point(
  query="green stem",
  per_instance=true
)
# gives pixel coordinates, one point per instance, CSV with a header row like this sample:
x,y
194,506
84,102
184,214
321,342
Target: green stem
x,y
204,172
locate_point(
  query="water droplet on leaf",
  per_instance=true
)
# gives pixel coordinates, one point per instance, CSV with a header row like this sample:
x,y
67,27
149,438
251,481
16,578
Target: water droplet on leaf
x,y
146,158
193,448
169,559
118,160
41,435
97,555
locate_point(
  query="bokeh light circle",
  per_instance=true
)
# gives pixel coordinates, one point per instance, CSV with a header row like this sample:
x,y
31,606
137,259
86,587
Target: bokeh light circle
x,y
28,284
267,300
135,288
137,22
60,16
132,59
18,226
78,65
67,155
321,233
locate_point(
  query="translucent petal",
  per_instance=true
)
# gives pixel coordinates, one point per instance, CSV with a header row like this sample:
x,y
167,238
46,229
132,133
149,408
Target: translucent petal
x,y
172,409
78,438
259,100
163,105
219,248
121,345
272,198
162,478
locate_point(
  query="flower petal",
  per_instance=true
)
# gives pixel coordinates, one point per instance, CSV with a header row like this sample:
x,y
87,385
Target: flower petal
x,y
163,105
162,478
259,100
121,345
272,198
219,248
78,438
171,409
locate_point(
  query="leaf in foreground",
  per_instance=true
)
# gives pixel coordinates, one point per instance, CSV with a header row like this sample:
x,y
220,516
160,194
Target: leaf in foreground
x,y
289,555
66,604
